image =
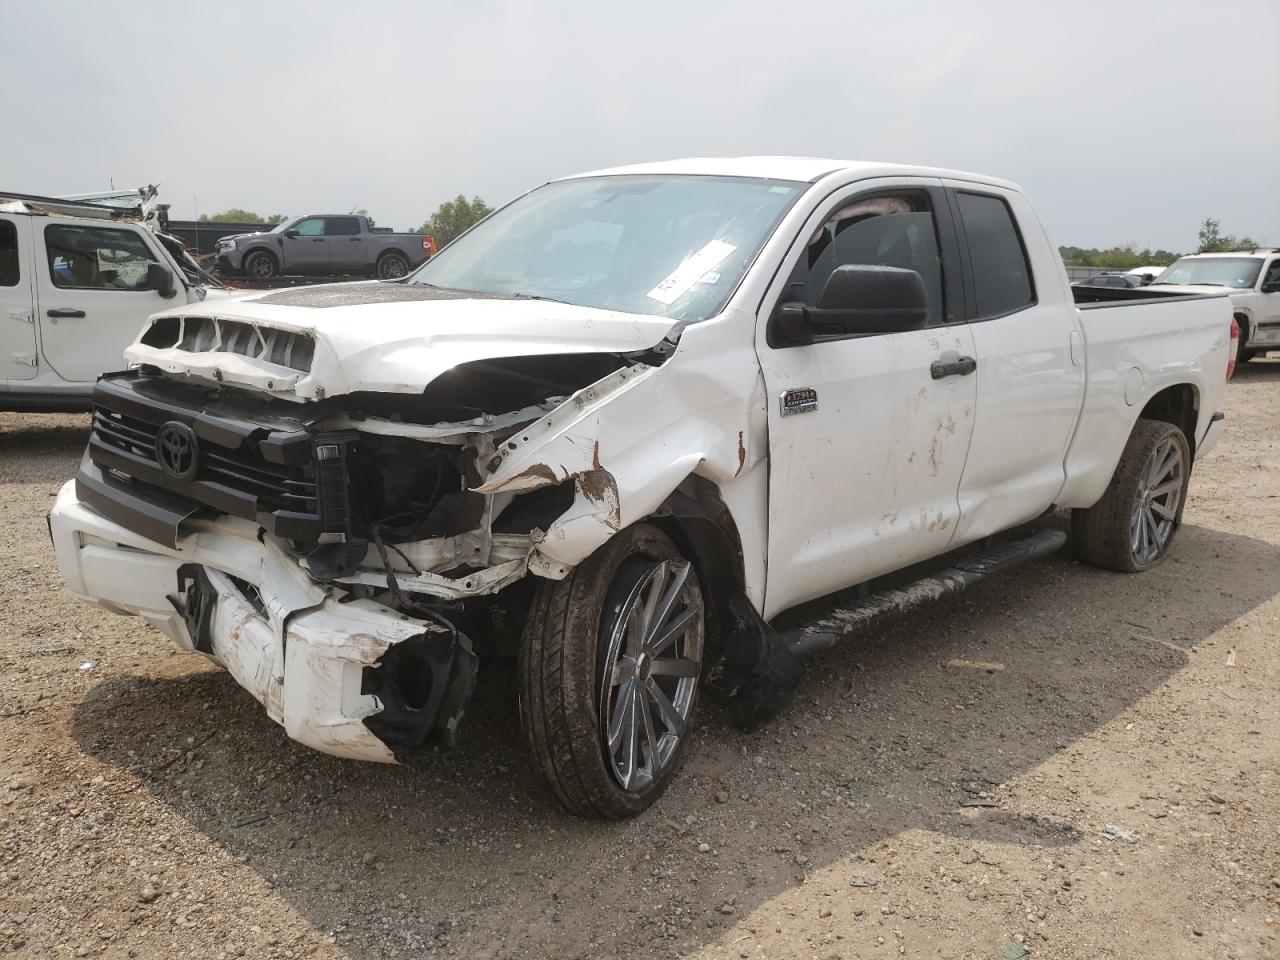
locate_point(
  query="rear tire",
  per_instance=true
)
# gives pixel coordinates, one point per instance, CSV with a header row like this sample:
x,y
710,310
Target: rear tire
x,y
260,265
605,743
1131,528
392,266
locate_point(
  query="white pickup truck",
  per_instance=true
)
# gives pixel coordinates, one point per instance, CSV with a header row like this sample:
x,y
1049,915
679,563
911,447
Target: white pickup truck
x,y
77,281
615,430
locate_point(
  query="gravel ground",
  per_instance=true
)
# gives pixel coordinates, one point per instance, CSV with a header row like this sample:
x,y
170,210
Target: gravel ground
x,y
1065,761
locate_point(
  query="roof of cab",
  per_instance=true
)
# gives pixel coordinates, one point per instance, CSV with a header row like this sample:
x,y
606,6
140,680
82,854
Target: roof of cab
x,y
801,169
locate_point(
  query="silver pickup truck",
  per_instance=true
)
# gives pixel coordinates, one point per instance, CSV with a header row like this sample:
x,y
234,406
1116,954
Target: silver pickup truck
x,y
322,244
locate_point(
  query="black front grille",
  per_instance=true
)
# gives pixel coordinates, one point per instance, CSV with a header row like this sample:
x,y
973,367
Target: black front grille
x,y
273,486
262,470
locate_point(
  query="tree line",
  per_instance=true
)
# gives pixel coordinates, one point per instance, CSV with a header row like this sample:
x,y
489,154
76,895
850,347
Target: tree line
x,y
1212,240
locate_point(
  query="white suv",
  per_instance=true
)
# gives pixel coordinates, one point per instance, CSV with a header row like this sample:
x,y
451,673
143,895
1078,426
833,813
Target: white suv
x,y
1253,279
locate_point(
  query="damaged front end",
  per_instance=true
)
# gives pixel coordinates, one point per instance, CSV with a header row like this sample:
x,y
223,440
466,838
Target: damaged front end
x,y
357,570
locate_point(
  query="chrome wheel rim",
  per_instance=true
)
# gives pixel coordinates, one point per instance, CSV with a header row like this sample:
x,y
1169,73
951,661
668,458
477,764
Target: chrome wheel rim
x,y
1155,510
650,672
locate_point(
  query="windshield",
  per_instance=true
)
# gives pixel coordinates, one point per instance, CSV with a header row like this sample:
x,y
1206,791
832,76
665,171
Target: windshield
x,y
673,246
283,225
1237,272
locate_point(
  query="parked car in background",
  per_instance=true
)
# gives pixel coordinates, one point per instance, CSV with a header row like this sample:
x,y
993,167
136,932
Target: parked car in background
x,y
77,282
322,244
1109,280
1145,274
612,432
1251,278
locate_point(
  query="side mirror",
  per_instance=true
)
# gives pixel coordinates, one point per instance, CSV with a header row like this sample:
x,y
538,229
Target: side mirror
x,y
859,300
1272,286
292,234
160,280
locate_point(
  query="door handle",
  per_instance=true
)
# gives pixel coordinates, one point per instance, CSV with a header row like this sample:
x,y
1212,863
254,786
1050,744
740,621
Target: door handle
x,y
354,240
952,365
318,240
59,313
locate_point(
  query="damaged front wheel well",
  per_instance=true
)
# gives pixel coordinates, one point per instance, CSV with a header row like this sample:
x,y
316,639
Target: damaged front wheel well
x,y
696,518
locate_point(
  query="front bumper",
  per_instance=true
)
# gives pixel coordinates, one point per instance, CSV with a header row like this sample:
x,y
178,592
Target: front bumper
x,y
320,668
229,261
1264,336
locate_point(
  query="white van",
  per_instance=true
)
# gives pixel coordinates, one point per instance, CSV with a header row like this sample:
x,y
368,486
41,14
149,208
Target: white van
x,y
77,282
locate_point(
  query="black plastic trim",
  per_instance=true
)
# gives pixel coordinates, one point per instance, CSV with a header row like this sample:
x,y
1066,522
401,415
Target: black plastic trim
x,y
234,477
153,514
19,402
1137,295
965,572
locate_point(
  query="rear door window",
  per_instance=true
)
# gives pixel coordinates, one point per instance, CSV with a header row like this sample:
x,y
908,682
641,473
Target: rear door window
x,y
96,258
9,272
1001,272
342,227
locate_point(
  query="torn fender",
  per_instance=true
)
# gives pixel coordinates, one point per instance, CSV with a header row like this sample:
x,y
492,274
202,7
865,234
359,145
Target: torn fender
x,y
625,442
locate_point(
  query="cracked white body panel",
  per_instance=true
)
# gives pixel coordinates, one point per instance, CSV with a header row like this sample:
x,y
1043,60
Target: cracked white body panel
x,y
314,691
628,441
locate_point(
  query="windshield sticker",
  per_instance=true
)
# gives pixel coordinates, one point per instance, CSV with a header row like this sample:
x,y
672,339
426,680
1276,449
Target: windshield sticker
x,y
677,284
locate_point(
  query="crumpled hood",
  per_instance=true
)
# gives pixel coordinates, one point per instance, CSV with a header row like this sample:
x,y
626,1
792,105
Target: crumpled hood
x,y
374,336
245,236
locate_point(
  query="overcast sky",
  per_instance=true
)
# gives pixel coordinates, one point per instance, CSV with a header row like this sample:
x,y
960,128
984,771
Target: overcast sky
x,y
1127,121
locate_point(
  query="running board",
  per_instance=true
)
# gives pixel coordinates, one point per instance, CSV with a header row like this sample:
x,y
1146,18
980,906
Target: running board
x,y
831,629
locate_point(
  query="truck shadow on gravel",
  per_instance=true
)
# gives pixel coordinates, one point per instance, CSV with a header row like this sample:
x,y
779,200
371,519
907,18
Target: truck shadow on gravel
x,y
1261,369
48,447
904,729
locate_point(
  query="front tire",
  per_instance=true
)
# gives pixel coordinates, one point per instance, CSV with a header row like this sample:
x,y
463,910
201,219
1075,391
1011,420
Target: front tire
x,y
609,673
1243,353
260,265
1131,528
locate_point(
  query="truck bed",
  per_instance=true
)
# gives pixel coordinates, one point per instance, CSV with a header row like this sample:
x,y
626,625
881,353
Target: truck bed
x,y
1088,298
1137,342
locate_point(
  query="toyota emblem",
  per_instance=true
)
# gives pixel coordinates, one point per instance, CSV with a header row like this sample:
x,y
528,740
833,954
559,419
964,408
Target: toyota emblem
x,y
177,450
